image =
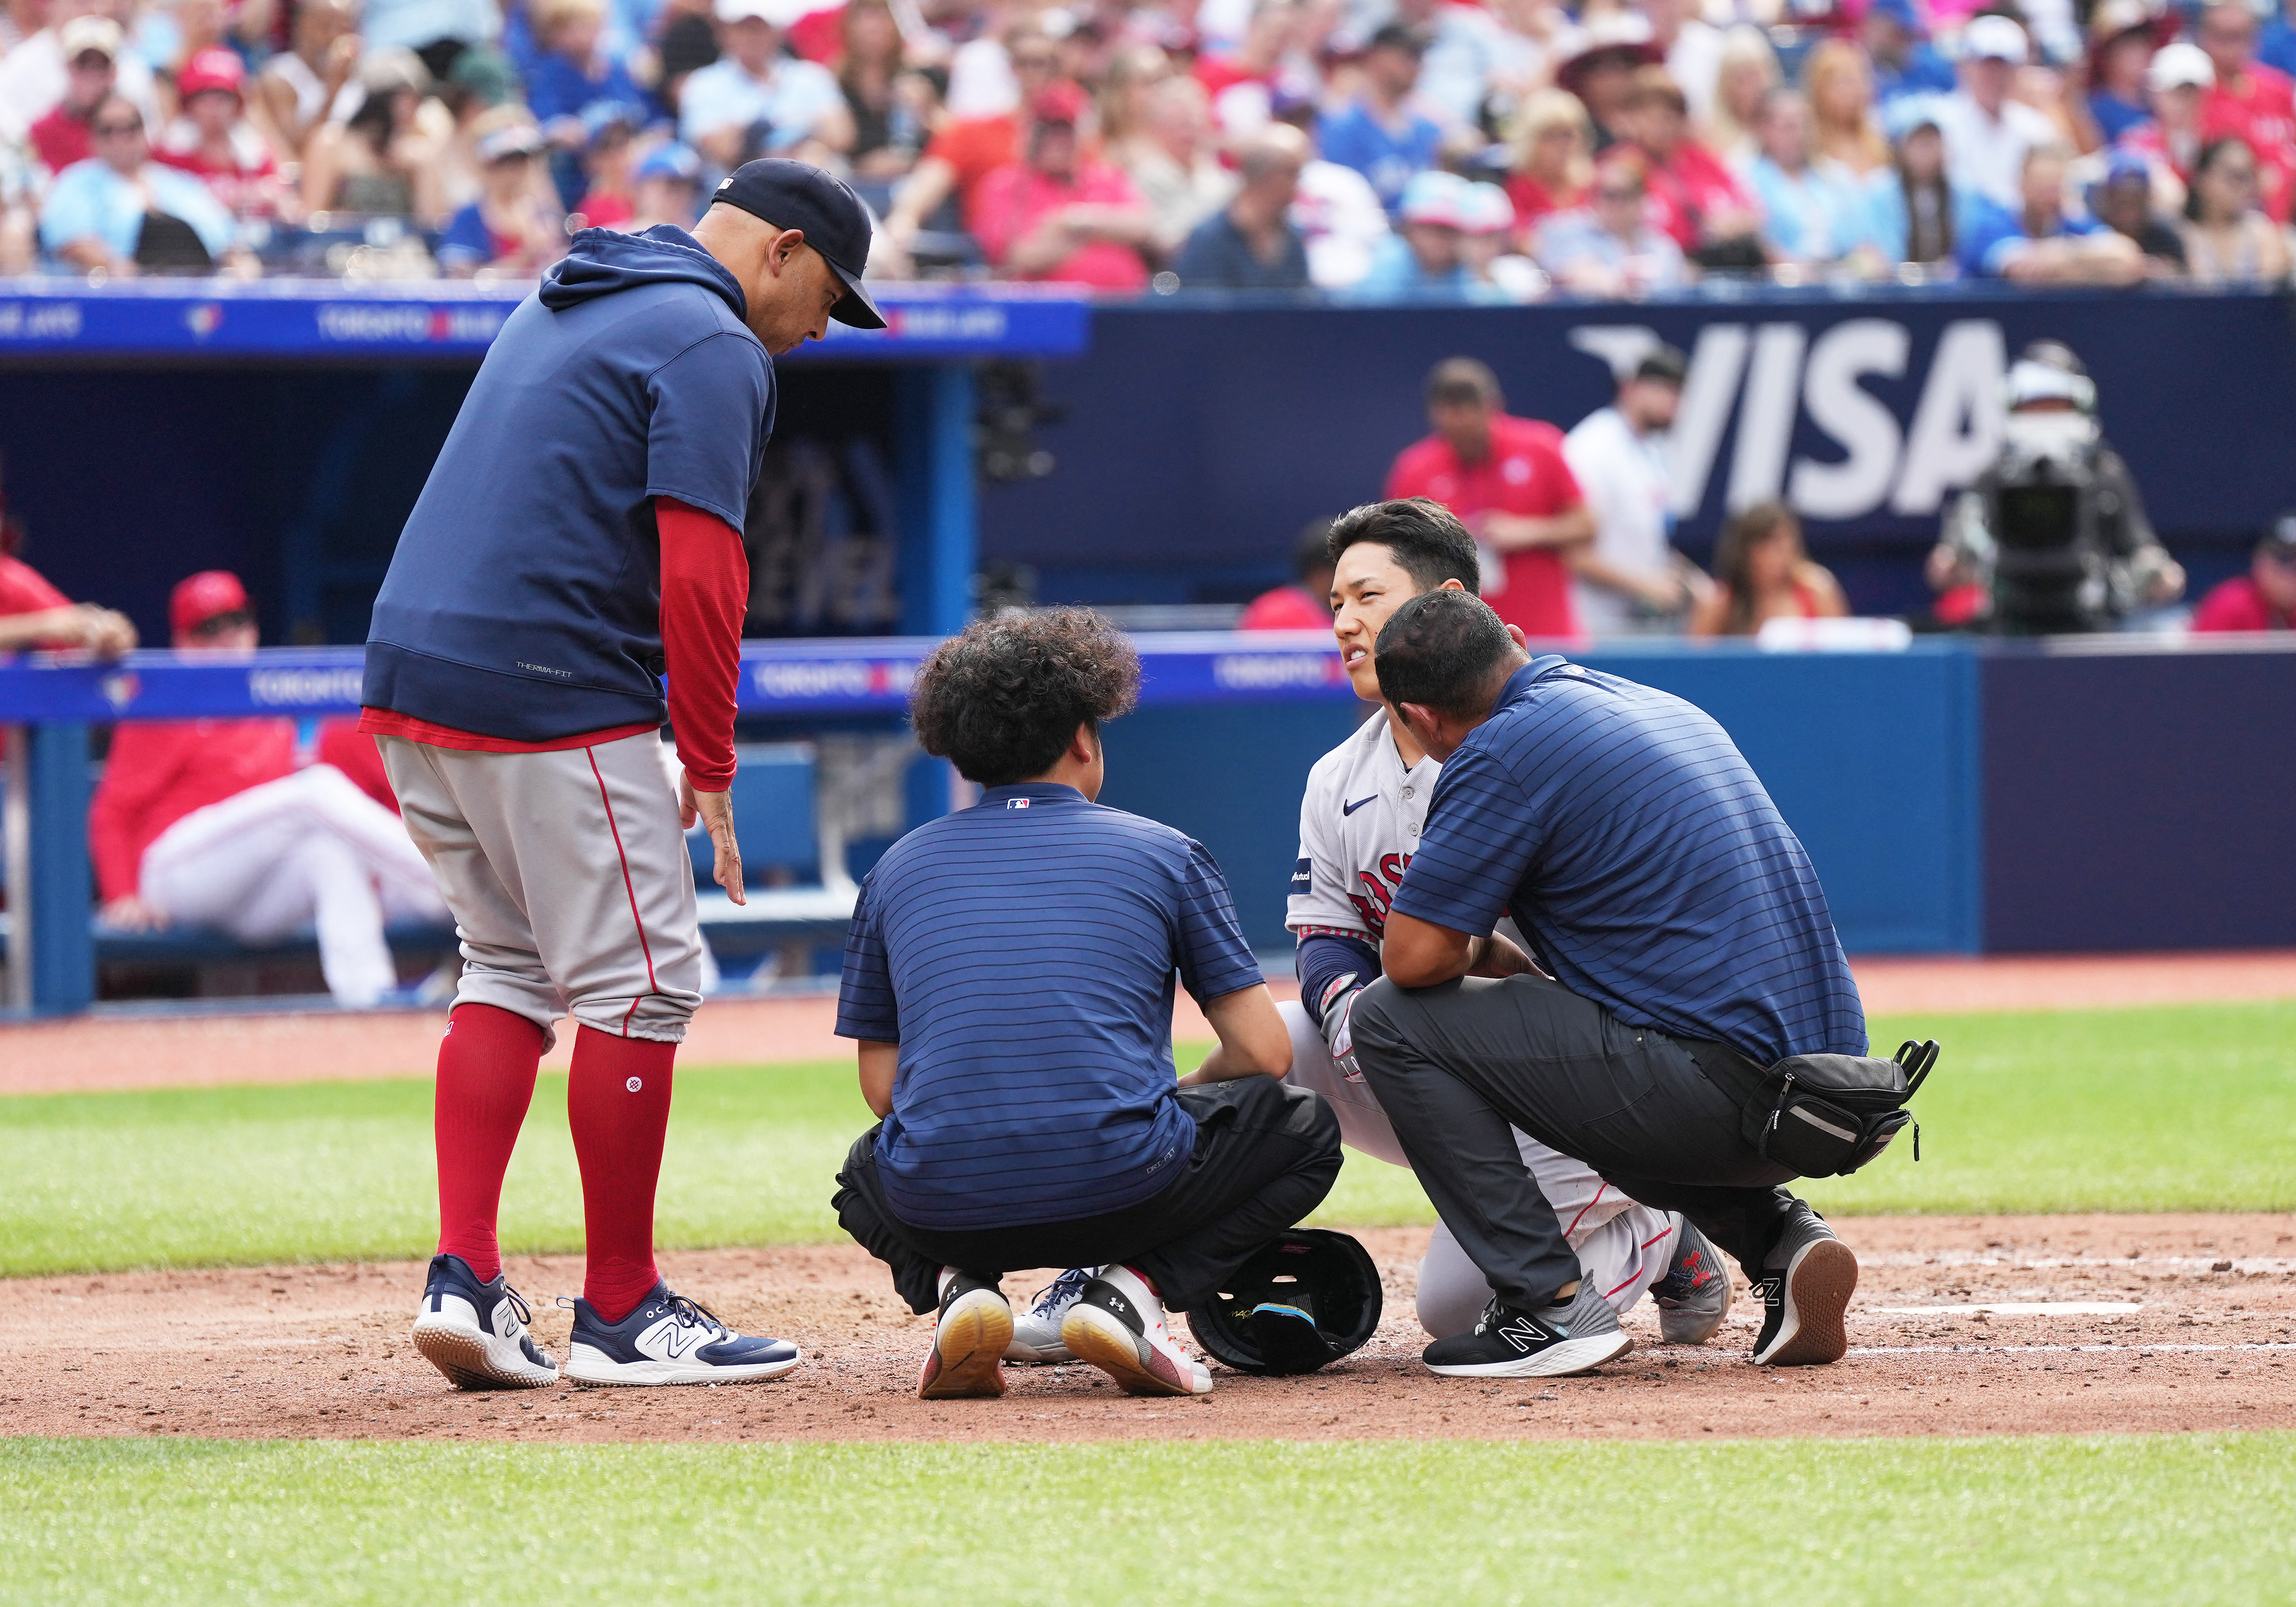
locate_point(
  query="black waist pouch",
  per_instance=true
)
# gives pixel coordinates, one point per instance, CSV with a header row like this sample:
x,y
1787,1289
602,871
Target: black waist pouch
x,y
1826,1115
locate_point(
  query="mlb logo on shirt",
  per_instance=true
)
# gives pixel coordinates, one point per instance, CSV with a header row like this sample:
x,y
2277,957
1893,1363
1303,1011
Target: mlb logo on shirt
x,y
1016,803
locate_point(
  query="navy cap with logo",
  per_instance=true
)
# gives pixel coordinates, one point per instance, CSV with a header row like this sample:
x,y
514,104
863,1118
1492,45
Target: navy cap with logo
x,y
798,195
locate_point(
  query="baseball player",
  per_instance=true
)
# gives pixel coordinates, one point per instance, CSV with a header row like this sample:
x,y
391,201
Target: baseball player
x,y
1359,823
580,532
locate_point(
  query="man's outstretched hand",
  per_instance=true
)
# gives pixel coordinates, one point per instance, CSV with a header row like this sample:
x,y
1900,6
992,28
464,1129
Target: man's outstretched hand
x,y
714,810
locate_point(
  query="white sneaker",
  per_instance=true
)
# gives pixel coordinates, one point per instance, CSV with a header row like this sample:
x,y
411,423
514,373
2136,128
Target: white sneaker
x,y
1037,1334
1117,1323
668,1338
476,1333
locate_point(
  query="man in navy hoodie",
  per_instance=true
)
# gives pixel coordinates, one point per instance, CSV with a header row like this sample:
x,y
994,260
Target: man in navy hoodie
x,y
580,535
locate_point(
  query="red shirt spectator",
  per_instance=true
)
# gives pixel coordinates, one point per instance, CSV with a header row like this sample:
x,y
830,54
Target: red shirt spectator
x,y
1691,186
62,138
819,36
34,614
90,46
24,590
1053,215
2251,102
1286,608
1534,200
159,771
214,140
975,147
1507,480
2263,599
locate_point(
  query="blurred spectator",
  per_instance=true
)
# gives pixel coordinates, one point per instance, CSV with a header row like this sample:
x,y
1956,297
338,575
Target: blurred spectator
x,y
297,88
1748,72
1242,84
1629,578
505,229
2250,102
1691,50
2275,41
1172,164
887,134
971,147
90,50
754,100
479,81
1336,210
2122,37
1609,248
380,160
1601,67
2122,200
1133,70
19,19
1551,167
606,200
1813,210
1762,572
208,823
2040,241
2228,239
216,142
1251,245
437,30
1304,605
1903,62
1487,235
570,77
687,43
34,614
1507,480
1696,200
1840,92
1056,215
1379,133
1915,215
2180,76
667,188
37,74
2263,599
1466,45
1422,257
120,211
1987,134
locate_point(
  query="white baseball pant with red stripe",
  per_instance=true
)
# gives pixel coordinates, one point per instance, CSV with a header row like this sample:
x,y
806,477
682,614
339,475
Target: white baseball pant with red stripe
x,y
1623,1245
568,876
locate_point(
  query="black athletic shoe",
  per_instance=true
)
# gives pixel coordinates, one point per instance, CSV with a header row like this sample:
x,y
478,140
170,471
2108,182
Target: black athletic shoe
x,y
1576,1336
1804,1297
969,1340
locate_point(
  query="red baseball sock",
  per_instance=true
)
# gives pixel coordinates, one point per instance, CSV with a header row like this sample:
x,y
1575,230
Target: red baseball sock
x,y
486,1081
617,1103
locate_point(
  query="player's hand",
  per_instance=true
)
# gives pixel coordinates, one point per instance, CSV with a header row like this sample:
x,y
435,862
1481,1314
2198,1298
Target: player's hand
x,y
105,632
1501,958
715,811
131,914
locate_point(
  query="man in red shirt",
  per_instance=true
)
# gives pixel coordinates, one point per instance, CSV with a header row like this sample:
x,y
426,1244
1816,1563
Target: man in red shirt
x,y
2251,102
969,149
1506,479
211,823
91,52
34,614
1056,216
2263,599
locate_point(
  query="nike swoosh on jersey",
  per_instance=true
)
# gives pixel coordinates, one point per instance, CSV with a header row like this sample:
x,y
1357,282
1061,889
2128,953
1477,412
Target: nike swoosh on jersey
x,y
1349,808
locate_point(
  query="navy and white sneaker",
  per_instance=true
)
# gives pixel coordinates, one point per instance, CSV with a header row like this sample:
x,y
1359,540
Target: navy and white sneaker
x,y
1037,1332
668,1338
1805,1296
1576,1335
1694,1296
476,1333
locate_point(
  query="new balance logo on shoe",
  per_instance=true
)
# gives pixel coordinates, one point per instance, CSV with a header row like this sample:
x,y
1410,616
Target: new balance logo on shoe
x,y
1523,1334
678,1340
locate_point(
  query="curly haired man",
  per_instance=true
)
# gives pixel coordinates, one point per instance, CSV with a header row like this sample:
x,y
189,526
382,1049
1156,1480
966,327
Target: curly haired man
x,y
1009,976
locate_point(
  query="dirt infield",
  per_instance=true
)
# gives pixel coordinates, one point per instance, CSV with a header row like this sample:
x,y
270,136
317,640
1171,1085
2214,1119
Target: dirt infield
x,y
198,1048
1962,1325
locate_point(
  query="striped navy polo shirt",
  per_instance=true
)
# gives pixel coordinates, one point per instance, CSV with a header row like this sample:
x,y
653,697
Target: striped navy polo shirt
x,y
1023,952
1632,843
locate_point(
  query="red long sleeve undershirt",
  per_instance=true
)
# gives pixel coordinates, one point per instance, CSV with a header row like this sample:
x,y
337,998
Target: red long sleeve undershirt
x,y
705,593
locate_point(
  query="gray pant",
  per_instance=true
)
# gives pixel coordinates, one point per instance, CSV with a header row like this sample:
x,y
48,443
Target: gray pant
x,y
568,877
1454,1065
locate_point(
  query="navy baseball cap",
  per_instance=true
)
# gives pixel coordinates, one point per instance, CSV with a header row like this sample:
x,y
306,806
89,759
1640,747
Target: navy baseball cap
x,y
798,195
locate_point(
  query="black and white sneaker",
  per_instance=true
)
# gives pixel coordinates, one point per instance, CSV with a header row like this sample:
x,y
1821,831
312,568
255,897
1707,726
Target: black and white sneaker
x,y
668,1338
1037,1334
1804,1299
1117,1323
969,1340
476,1333
1576,1336
1694,1296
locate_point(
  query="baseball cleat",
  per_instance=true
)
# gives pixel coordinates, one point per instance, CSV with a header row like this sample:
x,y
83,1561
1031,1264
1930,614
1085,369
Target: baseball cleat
x,y
668,1338
1694,1296
1803,1301
1117,1323
1576,1335
1037,1334
476,1333
969,1340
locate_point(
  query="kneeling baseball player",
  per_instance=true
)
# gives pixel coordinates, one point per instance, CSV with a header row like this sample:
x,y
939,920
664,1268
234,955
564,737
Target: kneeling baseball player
x,y
1009,975
1360,824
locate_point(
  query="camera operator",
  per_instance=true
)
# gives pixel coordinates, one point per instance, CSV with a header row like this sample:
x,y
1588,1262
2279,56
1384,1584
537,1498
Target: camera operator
x,y
2052,537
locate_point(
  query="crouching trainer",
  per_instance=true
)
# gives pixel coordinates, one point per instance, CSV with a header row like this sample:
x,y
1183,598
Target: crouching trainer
x,y
1009,975
1688,946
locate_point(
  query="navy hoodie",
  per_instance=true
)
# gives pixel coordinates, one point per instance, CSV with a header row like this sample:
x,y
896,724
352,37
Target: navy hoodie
x,y
524,599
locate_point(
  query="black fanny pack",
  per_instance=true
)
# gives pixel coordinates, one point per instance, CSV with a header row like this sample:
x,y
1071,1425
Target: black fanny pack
x,y
1823,1115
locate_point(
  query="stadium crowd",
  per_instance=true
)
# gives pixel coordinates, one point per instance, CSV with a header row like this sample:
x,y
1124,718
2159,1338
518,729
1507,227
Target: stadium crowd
x,y
1488,148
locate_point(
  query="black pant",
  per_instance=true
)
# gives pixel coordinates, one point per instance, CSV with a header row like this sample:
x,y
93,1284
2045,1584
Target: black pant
x,y
1266,1155
1453,1065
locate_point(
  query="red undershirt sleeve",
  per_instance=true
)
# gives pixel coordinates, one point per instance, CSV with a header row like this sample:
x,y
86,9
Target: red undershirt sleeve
x,y
705,592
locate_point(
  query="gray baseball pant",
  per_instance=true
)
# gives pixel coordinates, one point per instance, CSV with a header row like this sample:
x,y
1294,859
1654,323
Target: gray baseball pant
x,y
567,878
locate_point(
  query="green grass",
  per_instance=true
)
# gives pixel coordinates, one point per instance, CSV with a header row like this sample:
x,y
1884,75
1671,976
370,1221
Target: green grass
x,y
2167,1109
2199,1519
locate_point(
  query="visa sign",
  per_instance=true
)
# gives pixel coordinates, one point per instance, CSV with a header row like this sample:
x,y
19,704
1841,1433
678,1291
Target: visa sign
x,y
1774,378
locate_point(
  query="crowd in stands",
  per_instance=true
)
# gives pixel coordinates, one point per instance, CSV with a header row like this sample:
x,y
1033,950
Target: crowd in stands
x,y
1492,149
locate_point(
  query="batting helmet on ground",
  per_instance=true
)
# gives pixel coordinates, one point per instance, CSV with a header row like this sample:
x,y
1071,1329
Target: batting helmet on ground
x,y
1307,1300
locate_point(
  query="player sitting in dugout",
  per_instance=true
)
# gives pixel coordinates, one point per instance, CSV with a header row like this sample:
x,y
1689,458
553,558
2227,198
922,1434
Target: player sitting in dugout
x,y
219,823
1009,975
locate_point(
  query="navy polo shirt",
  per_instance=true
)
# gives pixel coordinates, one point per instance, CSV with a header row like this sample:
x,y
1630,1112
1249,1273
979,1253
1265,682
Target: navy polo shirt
x,y
1633,844
1022,955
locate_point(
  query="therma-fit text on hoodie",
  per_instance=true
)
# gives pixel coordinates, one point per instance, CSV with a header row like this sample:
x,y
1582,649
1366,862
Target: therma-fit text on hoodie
x,y
524,601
